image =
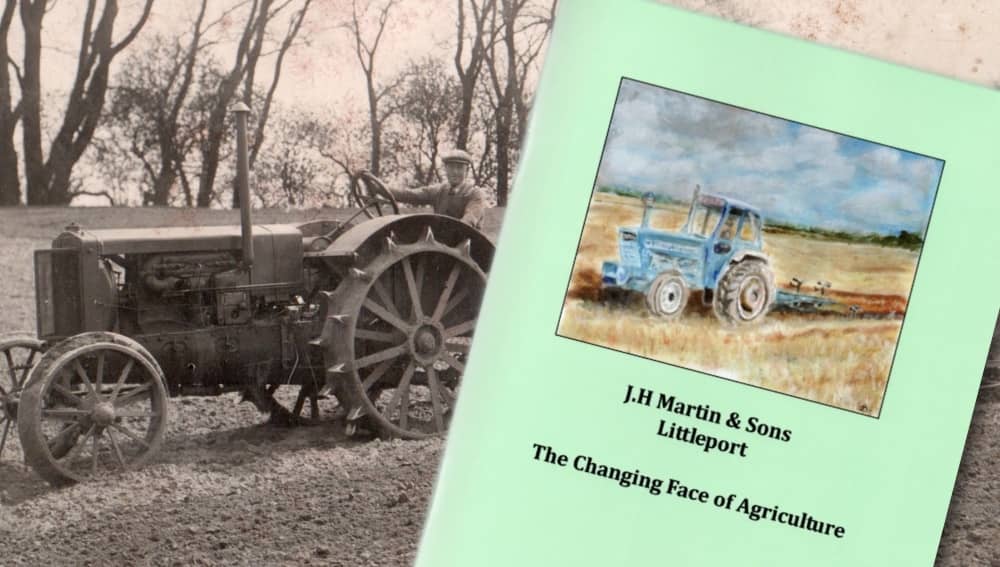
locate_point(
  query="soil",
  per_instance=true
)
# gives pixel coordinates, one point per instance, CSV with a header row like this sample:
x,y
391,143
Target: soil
x,y
229,488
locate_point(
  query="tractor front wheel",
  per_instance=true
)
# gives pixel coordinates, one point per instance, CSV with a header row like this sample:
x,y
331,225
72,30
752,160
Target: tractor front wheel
x,y
745,293
91,407
668,295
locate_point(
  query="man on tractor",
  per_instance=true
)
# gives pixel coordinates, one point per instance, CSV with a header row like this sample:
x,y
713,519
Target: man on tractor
x,y
457,197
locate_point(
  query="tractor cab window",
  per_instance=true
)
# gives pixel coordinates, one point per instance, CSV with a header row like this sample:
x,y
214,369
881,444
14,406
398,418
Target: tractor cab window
x,y
728,229
704,219
750,228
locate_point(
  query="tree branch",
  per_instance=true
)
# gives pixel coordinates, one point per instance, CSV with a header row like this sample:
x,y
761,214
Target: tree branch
x,y
105,194
17,71
294,25
115,49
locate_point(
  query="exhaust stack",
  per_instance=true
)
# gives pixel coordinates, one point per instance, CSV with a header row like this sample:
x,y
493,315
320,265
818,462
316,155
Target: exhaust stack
x,y
242,111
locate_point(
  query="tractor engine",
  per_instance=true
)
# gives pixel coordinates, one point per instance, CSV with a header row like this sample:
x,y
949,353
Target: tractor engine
x,y
191,290
186,294
141,281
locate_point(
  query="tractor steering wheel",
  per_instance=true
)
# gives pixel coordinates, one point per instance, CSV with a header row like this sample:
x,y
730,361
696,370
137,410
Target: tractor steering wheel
x,y
370,194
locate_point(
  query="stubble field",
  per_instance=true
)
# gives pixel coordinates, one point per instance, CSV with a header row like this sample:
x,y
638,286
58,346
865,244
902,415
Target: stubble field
x,y
829,358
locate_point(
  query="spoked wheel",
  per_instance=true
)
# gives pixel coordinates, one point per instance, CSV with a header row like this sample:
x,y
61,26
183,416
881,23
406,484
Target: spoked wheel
x,y
92,407
18,354
402,329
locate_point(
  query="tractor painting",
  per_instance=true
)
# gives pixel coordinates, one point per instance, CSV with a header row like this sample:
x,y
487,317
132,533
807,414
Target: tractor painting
x,y
719,251
376,311
790,268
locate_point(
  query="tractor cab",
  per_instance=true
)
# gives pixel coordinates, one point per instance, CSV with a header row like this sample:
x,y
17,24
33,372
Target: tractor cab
x,y
724,219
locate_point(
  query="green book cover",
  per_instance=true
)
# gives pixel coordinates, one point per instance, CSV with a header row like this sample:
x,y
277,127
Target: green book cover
x,y
738,311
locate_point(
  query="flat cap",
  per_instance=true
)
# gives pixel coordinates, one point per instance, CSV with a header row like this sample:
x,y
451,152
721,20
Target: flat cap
x,y
459,156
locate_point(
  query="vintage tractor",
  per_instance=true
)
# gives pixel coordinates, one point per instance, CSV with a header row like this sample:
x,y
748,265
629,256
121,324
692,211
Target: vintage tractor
x,y
376,312
719,251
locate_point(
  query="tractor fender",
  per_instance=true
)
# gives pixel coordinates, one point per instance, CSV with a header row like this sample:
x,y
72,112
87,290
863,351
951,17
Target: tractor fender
x,y
368,239
744,254
739,257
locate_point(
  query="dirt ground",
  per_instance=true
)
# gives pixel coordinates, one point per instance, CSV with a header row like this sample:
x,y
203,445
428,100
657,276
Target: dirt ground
x,y
226,488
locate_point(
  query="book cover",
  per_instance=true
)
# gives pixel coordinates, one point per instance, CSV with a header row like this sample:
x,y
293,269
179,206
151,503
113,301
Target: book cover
x,y
739,310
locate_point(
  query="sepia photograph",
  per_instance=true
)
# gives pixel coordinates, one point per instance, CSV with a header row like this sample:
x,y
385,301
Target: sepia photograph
x,y
244,245
750,247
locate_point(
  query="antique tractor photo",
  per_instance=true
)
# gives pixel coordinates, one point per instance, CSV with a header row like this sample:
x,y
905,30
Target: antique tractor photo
x,y
375,312
719,251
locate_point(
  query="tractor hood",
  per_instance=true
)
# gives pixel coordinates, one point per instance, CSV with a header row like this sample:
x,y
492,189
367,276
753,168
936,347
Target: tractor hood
x,y
279,246
172,239
670,243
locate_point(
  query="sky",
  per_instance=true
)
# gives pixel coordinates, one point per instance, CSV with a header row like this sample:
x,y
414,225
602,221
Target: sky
x,y
321,72
667,142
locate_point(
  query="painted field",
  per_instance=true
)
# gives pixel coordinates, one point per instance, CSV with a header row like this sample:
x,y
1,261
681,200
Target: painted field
x,y
828,358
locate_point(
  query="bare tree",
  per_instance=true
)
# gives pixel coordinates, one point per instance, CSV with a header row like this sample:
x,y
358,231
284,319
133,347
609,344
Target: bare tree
x,y
291,171
522,34
428,104
250,46
479,38
112,165
147,101
48,177
294,26
366,49
344,142
10,186
533,25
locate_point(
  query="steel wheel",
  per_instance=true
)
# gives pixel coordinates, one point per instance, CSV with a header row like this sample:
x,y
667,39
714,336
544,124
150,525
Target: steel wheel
x,y
401,332
91,407
18,354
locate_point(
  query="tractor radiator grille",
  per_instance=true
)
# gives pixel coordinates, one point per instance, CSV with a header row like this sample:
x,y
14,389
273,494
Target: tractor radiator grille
x,y
57,292
629,252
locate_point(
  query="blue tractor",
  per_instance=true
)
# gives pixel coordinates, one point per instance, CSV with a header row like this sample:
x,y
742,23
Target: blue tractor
x,y
718,251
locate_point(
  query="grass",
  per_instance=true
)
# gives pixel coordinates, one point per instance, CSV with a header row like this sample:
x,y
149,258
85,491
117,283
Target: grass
x,y
833,360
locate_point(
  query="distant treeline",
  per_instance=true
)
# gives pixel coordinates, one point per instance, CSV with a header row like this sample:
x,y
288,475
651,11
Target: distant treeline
x,y
904,239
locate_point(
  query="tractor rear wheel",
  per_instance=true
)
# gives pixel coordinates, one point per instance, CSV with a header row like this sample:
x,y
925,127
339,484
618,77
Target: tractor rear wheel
x,y
398,332
92,406
745,293
18,353
668,295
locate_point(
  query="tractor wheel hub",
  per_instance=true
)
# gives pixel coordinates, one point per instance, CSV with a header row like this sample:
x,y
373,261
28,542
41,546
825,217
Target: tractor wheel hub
x,y
427,341
103,414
